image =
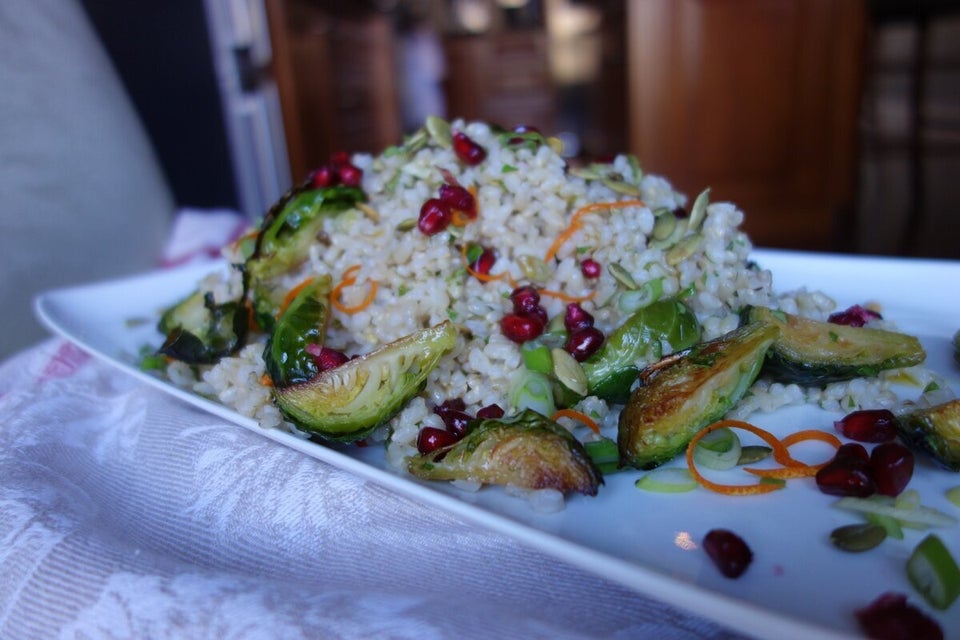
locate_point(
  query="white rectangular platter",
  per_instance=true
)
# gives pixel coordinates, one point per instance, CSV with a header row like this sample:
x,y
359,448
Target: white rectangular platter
x,y
799,585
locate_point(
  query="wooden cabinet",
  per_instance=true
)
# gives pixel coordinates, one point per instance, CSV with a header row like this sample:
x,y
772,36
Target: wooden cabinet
x,y
756,99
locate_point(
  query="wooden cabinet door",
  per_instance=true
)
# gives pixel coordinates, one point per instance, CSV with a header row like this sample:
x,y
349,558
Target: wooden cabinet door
x,y
756,99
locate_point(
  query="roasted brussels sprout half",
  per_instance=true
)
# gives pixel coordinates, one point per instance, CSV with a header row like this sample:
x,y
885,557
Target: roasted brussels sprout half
x,y
687,391
527,451
200,331
348,402
815,353
935,430
612,370
292,225
302,323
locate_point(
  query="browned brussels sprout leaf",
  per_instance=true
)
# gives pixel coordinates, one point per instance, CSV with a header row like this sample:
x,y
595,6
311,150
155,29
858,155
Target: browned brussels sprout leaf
x,y
935,430
302,323
687,391
348,402
200,331
527,451
815,353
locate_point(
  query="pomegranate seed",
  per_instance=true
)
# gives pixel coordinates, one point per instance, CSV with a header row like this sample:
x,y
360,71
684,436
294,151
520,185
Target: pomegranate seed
x,y
491,411
435,216
576,318
855,316
323,177
539,313
846,475
590,268
339,158
891,617
869,425
485,262
525,299
728,551
350,175
892,466
430,439
852,451
450,404
456,422
325,357
468,151
459,199
521,328
584,343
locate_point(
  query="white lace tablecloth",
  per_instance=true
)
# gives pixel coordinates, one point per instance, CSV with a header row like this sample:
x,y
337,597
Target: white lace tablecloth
x,y
127,514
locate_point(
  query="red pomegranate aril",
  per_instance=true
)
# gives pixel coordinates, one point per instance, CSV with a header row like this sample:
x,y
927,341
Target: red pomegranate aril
x,y
450,404
491,411
430,439
459,199
846,476
855,316
584,343
590,268
868,425
339,158
521,328
350,175
852,451
325,357
891,464
891,617
456,422
485,262
323,177
525,299
537,312
576,319
435,216
728,551
468,151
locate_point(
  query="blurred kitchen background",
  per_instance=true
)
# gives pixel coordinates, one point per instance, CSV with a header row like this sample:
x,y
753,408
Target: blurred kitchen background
x,y
834,124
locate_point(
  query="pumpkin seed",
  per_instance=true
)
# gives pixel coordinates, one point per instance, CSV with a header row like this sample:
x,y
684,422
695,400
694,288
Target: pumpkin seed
x,y
568,371
673,238
858,537
752,453
621,187
406,225
556,144
439,130
622,276
664,226
699,211
684,249
587,173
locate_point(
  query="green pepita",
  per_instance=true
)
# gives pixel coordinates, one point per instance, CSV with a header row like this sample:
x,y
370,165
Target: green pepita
x,y
684,249
664,226
439,130
858,537
622,276
406,225
753,453
569,372
535,269
621,187
699,210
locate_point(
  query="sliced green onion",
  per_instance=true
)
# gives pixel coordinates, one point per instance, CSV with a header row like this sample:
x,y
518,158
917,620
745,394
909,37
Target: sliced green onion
x,y
934,573
719,449
536,357
636,299
889,523
667,480
918,517
474,251
604,454
532,390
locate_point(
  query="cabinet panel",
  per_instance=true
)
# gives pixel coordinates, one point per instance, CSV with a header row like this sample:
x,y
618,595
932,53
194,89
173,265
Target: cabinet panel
x,y
756,99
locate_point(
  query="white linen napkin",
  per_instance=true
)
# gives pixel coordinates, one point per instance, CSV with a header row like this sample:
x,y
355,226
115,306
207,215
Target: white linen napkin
x,y
127,514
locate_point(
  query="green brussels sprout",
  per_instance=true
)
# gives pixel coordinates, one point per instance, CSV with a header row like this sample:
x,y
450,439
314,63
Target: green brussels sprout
x,y
687,391
935,430
612,370
302,323
811,353
527,450
347,402
200,331
292,225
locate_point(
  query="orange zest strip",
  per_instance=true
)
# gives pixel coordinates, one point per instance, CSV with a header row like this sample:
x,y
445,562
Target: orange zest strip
x,y
567,297
578,416
266,380
287,299
576,224
799,470
348,280
482,277
780,454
